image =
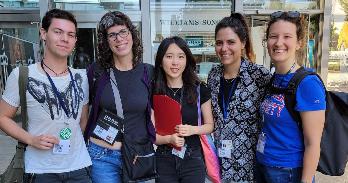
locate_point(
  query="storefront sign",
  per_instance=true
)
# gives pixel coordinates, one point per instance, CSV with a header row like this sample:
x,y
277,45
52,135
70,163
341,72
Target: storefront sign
x,y
194,41
205,20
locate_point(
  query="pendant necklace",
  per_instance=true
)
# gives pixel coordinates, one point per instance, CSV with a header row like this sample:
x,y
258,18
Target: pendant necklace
x,y
174,92
57,74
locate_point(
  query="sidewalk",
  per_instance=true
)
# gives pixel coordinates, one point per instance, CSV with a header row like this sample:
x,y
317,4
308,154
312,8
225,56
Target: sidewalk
x,y
8,146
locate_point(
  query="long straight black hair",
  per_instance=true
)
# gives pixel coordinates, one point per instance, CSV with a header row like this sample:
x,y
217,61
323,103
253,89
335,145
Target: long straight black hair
x,y
189,76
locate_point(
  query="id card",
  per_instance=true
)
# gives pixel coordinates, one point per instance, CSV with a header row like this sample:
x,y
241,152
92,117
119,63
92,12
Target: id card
x,y
181,153
261,143
107,133
107,127
224,153
226,144
62,148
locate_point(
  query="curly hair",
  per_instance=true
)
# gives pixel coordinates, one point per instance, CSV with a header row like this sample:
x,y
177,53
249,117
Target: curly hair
x,y
104,54
189,77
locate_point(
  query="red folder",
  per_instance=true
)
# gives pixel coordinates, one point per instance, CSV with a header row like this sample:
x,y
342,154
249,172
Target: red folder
x,y
167,114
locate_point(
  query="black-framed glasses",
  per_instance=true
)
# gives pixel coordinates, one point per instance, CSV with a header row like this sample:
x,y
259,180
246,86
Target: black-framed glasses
x,y
113,35
291,14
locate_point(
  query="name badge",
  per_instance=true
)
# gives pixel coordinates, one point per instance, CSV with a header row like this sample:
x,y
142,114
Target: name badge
x,y
62,148
107,127
181,153
226,144
224,153
260,147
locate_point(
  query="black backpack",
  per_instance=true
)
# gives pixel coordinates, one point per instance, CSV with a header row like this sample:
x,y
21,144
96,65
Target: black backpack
x,y
334,146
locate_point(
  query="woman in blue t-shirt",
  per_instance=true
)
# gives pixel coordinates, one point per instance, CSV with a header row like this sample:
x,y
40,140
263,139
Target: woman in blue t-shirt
x,y
287,152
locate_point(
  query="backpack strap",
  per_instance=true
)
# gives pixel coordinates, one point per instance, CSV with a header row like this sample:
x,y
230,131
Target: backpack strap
x,y
22,84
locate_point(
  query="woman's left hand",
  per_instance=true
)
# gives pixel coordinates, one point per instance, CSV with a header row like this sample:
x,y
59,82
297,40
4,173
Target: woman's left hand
x,y
185,130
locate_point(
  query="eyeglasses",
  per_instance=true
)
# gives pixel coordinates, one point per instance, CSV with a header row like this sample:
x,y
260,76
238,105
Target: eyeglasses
x,y
113,35
60,33
291,14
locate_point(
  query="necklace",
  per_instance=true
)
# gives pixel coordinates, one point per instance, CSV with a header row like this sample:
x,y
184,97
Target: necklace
x,y
57,74
174,92
229,80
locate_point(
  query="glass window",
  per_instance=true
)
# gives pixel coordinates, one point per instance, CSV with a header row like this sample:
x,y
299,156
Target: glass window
x,y
97,5
192,20
281,5
19,4
337,78
18,46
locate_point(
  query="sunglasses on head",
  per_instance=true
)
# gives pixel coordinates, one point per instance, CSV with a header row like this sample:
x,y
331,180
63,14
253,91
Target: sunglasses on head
x,y
291,14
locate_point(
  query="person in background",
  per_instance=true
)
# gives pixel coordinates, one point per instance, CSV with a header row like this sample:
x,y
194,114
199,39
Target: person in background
x,y
286,151
57,100
175,77
119,59
237,88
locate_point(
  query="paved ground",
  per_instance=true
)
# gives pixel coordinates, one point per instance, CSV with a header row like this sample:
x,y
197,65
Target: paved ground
x,y
7,148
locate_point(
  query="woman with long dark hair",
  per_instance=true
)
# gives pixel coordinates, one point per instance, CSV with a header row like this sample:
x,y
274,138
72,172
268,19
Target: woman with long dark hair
x,y
175,77
237,86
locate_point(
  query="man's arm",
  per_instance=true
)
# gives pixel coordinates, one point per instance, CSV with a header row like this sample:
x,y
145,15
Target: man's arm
x,y
11,128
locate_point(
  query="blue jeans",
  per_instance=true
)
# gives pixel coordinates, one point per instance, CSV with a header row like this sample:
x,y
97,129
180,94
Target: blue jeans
x,y
106,164
76,176
172,169
269,174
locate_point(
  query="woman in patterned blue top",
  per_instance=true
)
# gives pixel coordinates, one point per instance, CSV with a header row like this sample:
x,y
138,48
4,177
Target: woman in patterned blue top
x,y
237,86
285,152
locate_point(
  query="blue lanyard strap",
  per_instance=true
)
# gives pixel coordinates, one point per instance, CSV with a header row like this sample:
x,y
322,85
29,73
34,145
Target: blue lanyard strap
x,y
230,93
55,90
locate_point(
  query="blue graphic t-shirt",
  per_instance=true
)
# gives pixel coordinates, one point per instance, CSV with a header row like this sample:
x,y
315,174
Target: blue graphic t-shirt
x,y
283,140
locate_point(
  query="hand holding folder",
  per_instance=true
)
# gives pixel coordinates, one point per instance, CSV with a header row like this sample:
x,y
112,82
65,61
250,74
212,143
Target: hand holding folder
x,y
167,115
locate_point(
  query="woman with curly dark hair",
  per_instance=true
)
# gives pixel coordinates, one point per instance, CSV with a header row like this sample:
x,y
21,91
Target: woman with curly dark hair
x,y
175,77
119,94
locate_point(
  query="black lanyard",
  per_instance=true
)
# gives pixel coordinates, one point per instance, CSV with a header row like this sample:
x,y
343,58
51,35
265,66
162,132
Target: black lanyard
x,y
230,93
55,90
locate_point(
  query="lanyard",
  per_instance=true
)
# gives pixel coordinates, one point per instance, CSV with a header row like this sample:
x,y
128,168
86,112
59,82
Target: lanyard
x,y
230,93
282,79
55,90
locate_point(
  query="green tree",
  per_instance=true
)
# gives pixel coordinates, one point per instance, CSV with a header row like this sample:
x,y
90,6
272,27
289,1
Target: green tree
x,y
334,37
344,5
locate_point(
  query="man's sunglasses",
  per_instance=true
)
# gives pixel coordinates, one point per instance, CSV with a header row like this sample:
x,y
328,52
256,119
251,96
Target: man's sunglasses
x,y
291,14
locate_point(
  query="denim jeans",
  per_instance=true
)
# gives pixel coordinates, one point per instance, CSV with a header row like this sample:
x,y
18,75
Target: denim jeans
x,y
269,174
106,164
172,169
77,176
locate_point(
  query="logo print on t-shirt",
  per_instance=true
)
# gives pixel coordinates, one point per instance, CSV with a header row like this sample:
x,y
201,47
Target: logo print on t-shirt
x,y
43,93
273,104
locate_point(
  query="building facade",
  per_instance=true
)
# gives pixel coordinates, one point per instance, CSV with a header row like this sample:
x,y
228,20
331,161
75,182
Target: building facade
x,y
326,50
